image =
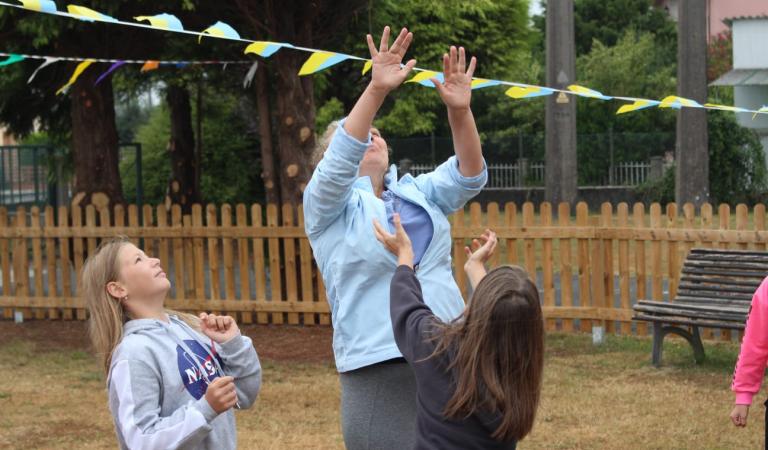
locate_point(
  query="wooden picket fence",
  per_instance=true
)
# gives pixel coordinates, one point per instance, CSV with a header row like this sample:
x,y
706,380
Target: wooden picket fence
x,y
246,261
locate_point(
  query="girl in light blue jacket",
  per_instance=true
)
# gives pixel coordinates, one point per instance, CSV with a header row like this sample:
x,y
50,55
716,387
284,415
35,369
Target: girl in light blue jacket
x,y
351,187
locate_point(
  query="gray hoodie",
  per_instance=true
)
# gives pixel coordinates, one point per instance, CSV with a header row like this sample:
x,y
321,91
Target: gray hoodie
x,y
157,382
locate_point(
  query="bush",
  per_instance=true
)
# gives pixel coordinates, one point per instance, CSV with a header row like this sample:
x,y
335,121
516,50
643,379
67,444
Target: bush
x,y
661,190
737,169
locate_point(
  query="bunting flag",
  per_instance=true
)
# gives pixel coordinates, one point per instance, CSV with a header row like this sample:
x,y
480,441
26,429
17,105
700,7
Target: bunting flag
x,y
150,66
587,92
39,5
423,78
12,59
48,61
321,61
265,49
163,21
147,65
89,15
519,92
220,30
639,104
111,69
249,76
78,71
725,107
480,83
672,101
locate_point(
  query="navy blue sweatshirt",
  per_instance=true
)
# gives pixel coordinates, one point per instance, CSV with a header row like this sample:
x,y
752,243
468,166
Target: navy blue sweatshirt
x,y
412,323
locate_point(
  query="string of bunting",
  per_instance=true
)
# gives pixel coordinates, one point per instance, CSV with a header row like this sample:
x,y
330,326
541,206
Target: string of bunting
x,y
321,59
147,65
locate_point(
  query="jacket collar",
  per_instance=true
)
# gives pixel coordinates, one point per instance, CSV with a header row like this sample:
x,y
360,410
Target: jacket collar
x,y
390,180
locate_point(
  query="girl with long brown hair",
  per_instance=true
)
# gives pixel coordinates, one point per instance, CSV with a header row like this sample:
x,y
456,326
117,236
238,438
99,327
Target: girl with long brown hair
x,y
173,378
478,377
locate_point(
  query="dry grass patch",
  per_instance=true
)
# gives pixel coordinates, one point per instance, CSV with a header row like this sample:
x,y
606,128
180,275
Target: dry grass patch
x,y
605,397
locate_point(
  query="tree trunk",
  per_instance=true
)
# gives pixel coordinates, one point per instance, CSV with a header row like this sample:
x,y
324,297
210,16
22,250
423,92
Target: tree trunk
x,y
692,161
182,187
268,174
561,177
295,130
94,143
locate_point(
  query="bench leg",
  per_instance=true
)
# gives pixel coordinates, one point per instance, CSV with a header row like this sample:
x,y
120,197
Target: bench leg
x,y
660,331
658,339
698,346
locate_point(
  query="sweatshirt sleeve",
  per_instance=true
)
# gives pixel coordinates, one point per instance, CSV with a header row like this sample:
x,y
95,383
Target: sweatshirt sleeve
x,y
410,316
330,187
750,366
242,363
135,390
448,188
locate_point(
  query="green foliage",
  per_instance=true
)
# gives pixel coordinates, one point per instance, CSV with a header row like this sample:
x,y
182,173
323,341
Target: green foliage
x,y
331,110
737,168
153,137
607,21
230,163
496,32
632,67
658,191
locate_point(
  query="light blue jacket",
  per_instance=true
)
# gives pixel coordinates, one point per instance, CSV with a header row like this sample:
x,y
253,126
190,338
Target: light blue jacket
x,y
339,208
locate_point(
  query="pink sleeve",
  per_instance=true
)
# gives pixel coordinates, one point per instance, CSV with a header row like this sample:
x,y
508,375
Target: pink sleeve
x,y
750,367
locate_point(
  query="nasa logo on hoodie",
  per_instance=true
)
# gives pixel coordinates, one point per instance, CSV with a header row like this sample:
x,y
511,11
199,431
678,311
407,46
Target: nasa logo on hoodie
x,y
189,368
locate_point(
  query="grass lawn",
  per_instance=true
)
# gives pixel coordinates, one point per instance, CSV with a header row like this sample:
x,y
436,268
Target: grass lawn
x,y
53,394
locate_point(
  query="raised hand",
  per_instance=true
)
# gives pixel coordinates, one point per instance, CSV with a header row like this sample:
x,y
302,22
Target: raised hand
x,y
387,69
398,243
478,255
219,328
456,91
481,253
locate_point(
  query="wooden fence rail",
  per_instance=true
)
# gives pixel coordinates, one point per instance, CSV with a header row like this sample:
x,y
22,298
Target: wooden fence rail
x,y
257,264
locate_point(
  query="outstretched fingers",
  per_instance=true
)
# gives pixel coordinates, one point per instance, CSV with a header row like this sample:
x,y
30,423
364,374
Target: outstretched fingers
x,y
371,46
384,44
401,44
472,65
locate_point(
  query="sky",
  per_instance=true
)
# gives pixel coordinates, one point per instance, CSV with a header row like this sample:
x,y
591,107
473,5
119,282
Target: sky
x,y
534,8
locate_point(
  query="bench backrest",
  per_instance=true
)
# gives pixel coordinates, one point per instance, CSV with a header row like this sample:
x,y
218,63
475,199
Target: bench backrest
x,y
721,277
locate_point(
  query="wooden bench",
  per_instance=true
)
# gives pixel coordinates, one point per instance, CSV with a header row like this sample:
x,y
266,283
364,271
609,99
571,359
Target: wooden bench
x,y
715,291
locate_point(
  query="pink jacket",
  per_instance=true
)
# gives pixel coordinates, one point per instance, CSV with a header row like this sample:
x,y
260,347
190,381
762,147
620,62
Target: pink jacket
x,y
753,357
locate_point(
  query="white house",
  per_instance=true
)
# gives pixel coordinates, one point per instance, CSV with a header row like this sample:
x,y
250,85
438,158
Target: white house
x,y
749,76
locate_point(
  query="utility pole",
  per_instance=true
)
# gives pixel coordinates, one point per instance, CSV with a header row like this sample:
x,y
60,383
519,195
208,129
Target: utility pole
x,y
692,159
561,166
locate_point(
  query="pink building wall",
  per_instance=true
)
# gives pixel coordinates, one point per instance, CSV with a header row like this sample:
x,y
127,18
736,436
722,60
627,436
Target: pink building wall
x,y
720,10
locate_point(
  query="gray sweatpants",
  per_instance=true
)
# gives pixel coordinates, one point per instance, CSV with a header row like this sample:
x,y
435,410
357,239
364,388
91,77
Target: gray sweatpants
x,y
378,407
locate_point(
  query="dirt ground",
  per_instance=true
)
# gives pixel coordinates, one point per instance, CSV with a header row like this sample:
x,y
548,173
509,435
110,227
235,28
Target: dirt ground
x,y
52,394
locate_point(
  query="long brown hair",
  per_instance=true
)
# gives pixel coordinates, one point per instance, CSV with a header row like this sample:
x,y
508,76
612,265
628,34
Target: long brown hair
x,y
497,353
107,313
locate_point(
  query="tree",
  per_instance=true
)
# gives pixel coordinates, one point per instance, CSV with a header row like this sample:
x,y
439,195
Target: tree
x,y
231,164
183,186
636,69
312,24
86,114
496,32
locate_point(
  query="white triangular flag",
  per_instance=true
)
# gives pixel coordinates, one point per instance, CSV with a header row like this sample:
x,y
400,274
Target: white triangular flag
x,y
48,61
249,76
